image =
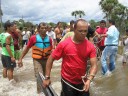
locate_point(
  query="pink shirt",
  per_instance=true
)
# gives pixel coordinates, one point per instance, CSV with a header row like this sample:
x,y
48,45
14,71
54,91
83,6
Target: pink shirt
x,y
101,31
75,57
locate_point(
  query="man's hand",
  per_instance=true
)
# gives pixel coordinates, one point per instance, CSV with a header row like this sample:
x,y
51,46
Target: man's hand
x,y
99,36
46,83
87,85
20,64
13,59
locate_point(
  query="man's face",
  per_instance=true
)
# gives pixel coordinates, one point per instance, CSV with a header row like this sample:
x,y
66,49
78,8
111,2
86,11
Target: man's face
x,y
60,25
102,25
49,29
43,29
14,27
81,30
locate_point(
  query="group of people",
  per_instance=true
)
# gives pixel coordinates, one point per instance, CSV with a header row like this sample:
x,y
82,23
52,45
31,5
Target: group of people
x,y
74,48
10,49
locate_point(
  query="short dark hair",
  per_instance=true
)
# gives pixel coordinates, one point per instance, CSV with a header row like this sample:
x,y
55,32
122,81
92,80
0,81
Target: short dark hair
x,y
76,22
103,21
72,22
58,23
112,22
42,23
7,24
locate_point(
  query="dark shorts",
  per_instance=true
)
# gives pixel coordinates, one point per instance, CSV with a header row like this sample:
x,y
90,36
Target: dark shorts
x,y
101,48
24,42
69,91
58,40
7,63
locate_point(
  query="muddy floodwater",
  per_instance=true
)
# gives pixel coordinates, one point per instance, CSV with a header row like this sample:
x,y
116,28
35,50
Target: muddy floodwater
x,y
116,85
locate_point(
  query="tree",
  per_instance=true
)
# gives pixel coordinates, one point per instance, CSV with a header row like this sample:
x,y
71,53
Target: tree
x,y
81,13
93,24
52,24
74,13
116,11
107,7
78,13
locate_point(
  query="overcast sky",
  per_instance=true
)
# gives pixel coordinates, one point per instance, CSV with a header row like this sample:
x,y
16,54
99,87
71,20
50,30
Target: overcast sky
x,y
51,10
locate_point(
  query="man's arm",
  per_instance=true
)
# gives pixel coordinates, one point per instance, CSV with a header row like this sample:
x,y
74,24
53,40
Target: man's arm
x,y
95,33
56,32
8,44
49,64
93,71
20,36
18,32
103,35
54,40
25,51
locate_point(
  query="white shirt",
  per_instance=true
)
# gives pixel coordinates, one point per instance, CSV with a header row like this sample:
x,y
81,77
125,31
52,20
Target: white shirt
x,y
25,35
51,34
113,36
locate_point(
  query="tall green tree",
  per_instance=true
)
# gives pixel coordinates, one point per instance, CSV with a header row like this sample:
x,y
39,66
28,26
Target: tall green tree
x,y
107,7
116,11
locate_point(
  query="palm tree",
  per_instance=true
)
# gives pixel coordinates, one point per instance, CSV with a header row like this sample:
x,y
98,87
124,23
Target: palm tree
x,y
81,13
75,13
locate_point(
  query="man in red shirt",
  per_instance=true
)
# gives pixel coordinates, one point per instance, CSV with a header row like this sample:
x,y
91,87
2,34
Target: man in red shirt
x,y
74,52
102,30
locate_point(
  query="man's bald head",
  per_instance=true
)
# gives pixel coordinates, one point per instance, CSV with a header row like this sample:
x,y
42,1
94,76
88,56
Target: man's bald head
x,y
80,21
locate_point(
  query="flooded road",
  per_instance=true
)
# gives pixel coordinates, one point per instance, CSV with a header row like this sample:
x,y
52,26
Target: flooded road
x,y
116,85
25,79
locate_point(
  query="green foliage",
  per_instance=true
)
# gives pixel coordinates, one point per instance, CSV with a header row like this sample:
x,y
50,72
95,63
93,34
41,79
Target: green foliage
x,y
63,24
52,24
116,11
93,24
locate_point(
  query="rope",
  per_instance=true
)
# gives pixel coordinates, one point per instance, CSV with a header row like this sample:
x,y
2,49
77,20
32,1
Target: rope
x,y
98,40
81,90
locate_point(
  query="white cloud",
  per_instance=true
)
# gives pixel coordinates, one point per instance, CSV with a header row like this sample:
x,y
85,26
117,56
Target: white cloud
x,y
50,10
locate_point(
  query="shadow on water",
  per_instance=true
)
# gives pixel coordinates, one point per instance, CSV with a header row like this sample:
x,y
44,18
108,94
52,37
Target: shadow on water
x,y
115,85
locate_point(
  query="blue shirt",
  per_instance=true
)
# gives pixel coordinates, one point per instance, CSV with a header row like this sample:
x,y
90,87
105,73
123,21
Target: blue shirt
x,y
112,36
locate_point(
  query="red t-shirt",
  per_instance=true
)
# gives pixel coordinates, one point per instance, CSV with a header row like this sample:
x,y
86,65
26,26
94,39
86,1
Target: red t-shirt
x,y
101,31
32,41
75,57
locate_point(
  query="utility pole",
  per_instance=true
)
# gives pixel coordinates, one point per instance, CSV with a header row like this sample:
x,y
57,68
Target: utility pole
x,y
1,14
